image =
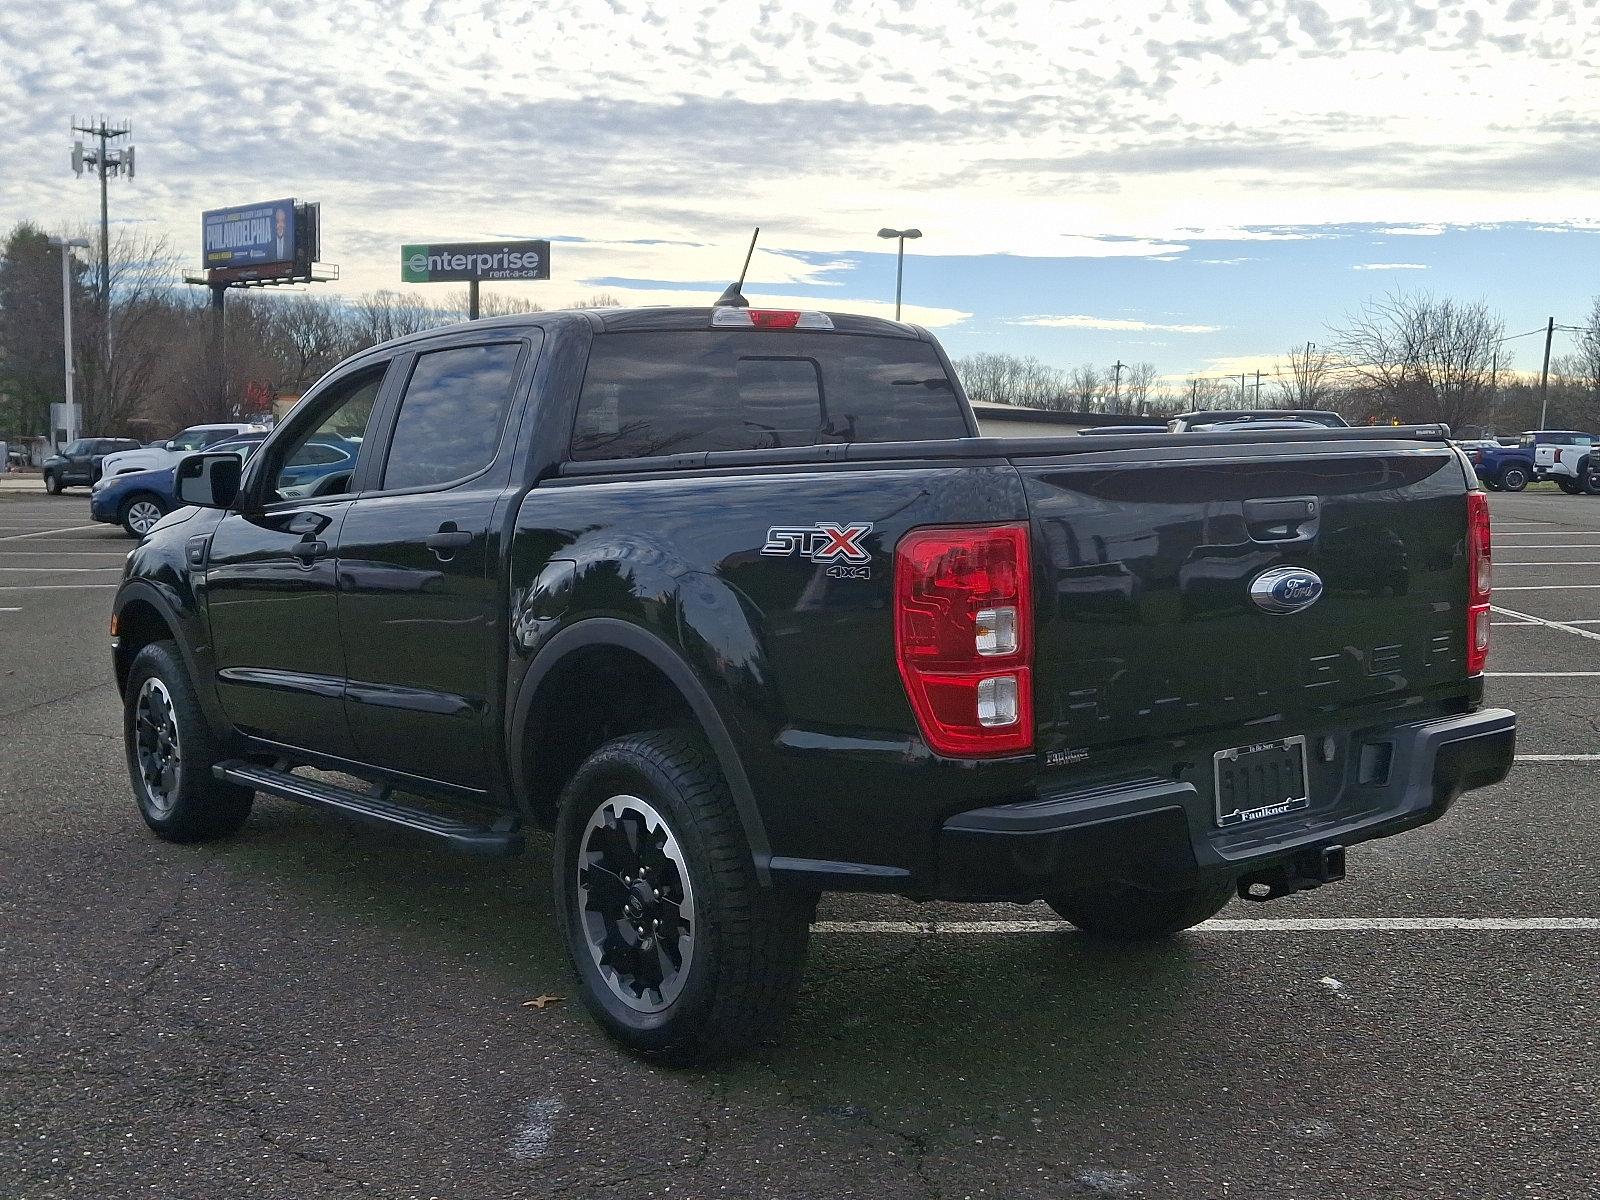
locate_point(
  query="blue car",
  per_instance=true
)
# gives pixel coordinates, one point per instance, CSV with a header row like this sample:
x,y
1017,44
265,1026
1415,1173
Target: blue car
x,y
136,500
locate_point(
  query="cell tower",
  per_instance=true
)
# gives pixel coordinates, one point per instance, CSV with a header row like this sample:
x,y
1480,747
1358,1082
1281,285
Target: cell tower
x,y
105,159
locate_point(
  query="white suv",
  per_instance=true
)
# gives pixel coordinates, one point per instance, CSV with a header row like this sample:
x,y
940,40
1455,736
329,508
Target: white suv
x,y
153,458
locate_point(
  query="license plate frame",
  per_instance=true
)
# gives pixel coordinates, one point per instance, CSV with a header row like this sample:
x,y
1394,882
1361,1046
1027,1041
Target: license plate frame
x,y
1273,782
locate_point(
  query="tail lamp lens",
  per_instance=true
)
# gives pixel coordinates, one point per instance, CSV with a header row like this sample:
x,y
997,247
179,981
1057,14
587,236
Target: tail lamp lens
x,y
1480,581
963,637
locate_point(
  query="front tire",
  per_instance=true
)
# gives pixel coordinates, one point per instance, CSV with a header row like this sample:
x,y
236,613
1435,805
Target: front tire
x,y
140,512
1123,913
52,483
1513,479
170,752
682,955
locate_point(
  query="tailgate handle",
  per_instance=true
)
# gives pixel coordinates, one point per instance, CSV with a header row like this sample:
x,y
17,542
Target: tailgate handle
x,y
1288,520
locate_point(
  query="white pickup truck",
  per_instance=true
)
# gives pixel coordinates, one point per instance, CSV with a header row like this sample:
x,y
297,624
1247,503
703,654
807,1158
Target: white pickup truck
x,y
1562,455
167,454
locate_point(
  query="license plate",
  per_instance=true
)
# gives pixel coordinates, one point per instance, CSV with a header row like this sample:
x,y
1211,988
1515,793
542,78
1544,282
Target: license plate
x,y
1263,780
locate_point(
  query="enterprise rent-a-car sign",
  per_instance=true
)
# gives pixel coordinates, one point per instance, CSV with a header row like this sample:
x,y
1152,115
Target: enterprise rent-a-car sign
x,y
463,262
249,235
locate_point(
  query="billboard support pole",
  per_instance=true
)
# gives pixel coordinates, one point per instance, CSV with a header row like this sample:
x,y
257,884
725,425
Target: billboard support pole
x,y
472,299
219,344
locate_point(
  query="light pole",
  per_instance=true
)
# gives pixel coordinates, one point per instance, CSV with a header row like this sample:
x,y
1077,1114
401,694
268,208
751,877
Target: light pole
x,y
900,262
66,246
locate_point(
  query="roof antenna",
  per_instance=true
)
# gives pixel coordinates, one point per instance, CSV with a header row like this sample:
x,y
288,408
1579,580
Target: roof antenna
x,y
733,297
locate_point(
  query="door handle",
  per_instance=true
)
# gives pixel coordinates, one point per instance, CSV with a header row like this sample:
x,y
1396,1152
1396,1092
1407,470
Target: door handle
x,y
1288,520
307,550
308,523
448,541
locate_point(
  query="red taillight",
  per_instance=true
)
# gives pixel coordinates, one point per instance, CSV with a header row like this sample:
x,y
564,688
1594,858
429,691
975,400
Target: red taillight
x,y
963,624
1480,581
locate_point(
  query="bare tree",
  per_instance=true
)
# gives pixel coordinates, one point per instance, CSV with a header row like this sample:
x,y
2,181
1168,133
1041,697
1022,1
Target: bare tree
x,y
1087,385
1421,359
991,378
1310,380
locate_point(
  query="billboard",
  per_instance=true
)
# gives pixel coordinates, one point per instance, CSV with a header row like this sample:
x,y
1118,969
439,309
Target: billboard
x,y
467,262
249,235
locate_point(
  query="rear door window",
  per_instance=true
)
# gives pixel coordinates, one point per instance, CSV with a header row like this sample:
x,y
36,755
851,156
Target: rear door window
x,y
450,419
647,393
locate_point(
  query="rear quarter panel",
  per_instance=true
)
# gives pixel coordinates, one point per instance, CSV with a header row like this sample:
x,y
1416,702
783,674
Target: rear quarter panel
x,y
800,664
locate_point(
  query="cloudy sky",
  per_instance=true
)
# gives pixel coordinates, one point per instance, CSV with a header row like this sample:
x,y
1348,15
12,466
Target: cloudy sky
x,y
1200,183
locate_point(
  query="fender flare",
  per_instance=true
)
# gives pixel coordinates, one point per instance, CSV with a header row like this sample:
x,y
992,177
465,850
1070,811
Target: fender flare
x,y
611,631
169,610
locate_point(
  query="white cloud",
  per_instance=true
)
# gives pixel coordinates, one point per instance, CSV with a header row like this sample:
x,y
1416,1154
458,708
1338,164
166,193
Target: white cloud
x,y
1028,128
1114,324
1390,267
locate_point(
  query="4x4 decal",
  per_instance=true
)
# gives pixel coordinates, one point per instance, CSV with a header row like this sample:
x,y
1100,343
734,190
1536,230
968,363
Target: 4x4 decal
x,y
838,547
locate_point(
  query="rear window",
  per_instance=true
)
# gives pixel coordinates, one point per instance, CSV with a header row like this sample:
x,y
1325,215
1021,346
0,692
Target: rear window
x,y
676,392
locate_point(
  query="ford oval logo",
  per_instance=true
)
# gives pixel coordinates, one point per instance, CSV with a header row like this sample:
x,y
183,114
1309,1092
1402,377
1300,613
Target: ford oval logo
x,y
1285,589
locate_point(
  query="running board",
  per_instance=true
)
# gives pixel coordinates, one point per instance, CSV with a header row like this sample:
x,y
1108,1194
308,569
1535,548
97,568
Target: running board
x,y
500,840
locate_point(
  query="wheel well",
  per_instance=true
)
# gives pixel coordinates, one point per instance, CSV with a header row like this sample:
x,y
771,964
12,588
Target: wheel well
x,y
138,624
589,697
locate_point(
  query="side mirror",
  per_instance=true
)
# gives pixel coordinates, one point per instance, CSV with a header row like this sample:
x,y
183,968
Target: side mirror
x,y
172,444
208,480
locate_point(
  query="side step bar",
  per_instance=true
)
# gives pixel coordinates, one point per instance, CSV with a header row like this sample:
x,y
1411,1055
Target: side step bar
x,y
499,840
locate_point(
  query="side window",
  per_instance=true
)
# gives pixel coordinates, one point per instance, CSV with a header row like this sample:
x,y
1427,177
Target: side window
x,y
320,458
451,415
212,436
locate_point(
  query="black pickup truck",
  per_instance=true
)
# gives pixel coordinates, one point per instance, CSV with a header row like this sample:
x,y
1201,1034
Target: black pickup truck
x,y
738,604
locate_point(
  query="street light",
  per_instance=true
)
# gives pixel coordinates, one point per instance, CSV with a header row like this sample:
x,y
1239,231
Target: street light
x,y
900,263
66,246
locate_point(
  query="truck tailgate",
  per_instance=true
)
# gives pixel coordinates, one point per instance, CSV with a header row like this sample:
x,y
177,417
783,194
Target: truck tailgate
x,y
1144,562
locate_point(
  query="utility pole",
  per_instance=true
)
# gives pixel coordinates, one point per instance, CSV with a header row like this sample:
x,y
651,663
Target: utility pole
x,y
106,160
1194,391
1544,376
1241,388
1258,387
1116,385
66,246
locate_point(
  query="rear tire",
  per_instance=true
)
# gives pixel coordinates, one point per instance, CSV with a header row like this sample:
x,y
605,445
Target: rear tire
x,y
1513,479
52,483
1570,487
1122,913
682,955
140,512
170,752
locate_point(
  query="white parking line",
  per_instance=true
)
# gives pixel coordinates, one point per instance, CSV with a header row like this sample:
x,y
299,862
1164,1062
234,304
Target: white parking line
x,y
55,570
11,537
1541,674
10,610
1558,758
1242,925
1564,626
1547,587
50,587
1587,562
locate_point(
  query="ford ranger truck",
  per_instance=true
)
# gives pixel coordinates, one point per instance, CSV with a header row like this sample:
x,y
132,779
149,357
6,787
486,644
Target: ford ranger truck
x,y
737,607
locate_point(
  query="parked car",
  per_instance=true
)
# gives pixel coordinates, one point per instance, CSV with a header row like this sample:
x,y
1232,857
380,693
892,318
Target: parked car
x,y
1510,468
1114,429
1562,455
81,462
1193,421
136,500
624,574
167,454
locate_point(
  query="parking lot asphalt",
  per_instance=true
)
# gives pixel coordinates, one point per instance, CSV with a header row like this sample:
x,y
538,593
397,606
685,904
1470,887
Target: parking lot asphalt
x,y
314,1009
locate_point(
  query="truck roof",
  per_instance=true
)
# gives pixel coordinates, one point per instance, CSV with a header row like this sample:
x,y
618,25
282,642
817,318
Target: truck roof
x,y
640,319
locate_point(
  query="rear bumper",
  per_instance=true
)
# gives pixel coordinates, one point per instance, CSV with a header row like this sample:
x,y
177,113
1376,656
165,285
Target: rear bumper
x,y
1159,832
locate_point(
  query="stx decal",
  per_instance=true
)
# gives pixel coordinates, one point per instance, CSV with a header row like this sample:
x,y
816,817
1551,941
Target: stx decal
x,y
837,547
